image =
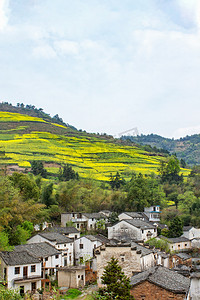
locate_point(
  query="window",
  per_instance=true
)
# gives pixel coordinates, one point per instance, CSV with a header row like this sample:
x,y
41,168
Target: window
x,y
77,225
75,236
142,231
33,268
122,259
58,246
92,219
126,230
57,256
17,270
185,245
122,230
95,246
179,246
64,245
81,246
81,277
46,258
70,258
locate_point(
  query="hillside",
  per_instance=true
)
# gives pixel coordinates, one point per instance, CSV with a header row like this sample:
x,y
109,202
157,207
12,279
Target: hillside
x,y
24,138
187,148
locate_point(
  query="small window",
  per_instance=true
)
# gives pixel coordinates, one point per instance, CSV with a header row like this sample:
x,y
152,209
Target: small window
x,y
92,219
77,225
81,246
185,245
126,230
142,231
172,247
70,258
81,277
58,246
17,270
57,256
46,258
179,246
122,230
64,245
122,259
75,237
57,266
33,268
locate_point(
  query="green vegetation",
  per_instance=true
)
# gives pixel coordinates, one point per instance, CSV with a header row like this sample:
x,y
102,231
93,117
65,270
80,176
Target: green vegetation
x,y
29,137
187,148
117,283
72,294
9,294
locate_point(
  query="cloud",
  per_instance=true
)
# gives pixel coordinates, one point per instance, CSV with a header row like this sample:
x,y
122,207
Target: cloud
x,y
181,132
190,10
3,14
44,51
67,47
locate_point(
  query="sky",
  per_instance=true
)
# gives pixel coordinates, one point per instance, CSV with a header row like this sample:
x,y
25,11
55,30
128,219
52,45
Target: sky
x,y
105,65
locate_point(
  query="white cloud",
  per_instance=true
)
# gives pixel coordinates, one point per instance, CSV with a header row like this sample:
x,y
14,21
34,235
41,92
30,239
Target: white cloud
x,y
66,47
190,10
181,132
3,14
44,51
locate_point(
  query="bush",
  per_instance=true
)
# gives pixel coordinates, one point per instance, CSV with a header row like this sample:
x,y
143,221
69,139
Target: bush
x,y
9,294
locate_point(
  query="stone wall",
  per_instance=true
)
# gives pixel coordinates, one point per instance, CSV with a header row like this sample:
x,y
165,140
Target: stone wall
x,y
149,291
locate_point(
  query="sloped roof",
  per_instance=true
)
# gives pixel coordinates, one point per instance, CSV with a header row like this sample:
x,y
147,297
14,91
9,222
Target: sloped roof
x,y
183,256
140,224
38,249
187,228
94,215
144,250
62,230
165,278
133,214
55,237
15,258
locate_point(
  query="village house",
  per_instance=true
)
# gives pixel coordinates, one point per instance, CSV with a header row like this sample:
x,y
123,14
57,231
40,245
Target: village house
x,y
153,213
158,283
84,248
132,258
60,242
49,257
20,270
193,234
180,259
162,258
177,244
130,216
71,277
70,232
195,286
82,221
133,229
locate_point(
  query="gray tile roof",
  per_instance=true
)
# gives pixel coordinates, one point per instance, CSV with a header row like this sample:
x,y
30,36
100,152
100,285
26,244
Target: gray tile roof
x,y
16,258
183,256
55,237
144,250
165,278
102,238
62,230
140,224
94,215
133,214
178,239
187,228
92,238
39,250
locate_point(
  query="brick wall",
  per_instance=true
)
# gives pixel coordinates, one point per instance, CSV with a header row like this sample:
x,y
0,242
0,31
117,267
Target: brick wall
x,y
150,291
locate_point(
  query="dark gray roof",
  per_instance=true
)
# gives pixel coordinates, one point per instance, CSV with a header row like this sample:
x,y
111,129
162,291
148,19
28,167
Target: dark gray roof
x,y
16,258
165,278
178,239
133,214
144,250
94,215
39,250
183,256
62,230
187,228
93,238
102,238
55,237
140,224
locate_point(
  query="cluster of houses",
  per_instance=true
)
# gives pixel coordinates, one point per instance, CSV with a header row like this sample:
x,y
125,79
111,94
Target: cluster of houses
x,y
64,254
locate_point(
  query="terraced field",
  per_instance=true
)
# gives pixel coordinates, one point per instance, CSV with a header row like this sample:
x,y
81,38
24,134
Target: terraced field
x,y
24,138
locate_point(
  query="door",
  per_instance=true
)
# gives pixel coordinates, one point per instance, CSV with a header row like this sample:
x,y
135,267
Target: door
x,y
25,271
33,286
21,290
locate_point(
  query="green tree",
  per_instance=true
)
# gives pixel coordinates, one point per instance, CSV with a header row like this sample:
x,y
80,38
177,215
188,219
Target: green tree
x,y
116,181
47,195
117,284
66,173
37,168
175,228
169,171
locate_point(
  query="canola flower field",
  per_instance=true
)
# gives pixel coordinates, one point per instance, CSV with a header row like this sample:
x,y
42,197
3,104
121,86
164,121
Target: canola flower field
x,y
89,155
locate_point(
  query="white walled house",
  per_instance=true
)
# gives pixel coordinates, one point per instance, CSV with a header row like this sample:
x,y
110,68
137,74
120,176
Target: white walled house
x,y
127,230
84,248
153,213
60,242
49,256
20,270
82,221
177,244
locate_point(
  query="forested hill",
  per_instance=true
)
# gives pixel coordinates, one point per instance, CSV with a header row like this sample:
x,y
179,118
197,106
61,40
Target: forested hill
x,y
187,148
28,134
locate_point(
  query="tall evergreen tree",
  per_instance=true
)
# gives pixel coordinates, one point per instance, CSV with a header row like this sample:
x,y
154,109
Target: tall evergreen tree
x,y
117,283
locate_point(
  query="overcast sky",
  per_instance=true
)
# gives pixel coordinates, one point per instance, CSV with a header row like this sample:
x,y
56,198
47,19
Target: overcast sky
x,y
105,65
